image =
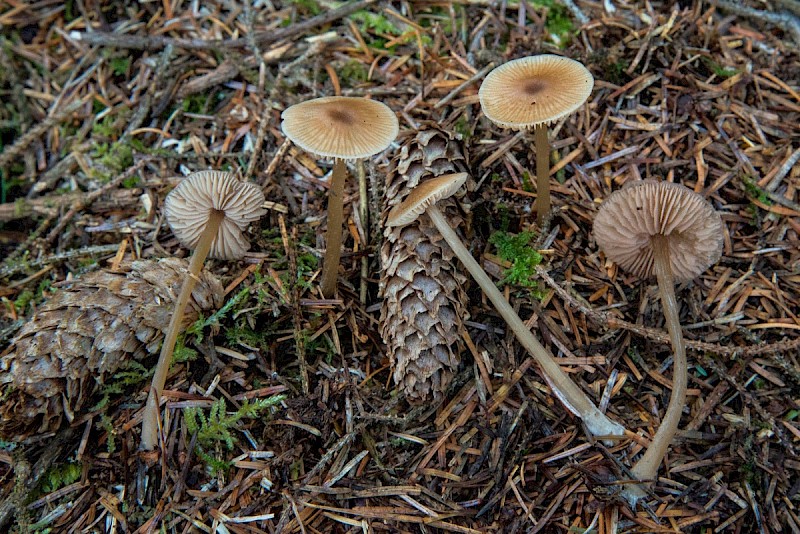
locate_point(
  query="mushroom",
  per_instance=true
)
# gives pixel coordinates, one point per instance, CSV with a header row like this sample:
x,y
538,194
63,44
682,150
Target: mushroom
x,y
207,211
422,199
343,128
532,92
666,229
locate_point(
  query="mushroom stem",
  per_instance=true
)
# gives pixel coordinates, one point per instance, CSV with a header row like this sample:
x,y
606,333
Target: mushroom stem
x,y
646,468
333,237
542,173
363,212
573,397
150,422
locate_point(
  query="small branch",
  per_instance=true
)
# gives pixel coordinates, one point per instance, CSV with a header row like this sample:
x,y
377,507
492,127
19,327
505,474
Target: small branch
x,y
612,321
157,42
37,131
91,197
785,21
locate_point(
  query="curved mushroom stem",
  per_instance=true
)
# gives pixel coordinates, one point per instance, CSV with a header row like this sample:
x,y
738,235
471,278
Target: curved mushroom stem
x,y
150,423
542,173
333,237
646,468
565,389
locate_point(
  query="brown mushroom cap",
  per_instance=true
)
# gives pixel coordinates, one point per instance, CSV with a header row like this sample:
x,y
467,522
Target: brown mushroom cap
x,y
188,206
427,193
631,216
525,92
340,127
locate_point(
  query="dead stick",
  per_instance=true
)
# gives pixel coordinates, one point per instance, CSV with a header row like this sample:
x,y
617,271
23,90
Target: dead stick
x,y
612,321
37,131
91,197
157,42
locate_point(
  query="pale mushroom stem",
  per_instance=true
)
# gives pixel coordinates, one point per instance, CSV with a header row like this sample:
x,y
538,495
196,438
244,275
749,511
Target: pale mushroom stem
x,y
363,212
542,173
333,237
646,468
573,397
149,439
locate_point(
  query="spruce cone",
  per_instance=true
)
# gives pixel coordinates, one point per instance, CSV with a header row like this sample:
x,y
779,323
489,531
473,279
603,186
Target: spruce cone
x,y
424,302
84,334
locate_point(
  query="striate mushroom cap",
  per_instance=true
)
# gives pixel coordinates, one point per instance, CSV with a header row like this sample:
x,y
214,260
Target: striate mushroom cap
x,y
534,90
189,205
340,127
425,194
631,216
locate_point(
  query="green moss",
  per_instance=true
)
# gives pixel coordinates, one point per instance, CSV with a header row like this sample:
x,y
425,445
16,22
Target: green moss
x,y
111,433
354,72
462,128
181,353
59,476
527,185
105,128
23,300
116,156
258,339
197,328
195,103
523,257
131,374
719,70
755,192
309,6
120,65
375,23
214,430
131,182
558,23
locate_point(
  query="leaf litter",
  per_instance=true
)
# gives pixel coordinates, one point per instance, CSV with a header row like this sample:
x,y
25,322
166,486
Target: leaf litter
x,y
104,109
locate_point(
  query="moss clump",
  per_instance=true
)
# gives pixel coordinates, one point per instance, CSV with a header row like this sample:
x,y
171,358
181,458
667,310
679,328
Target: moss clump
x,y
516,248
558,24
214,430
354,72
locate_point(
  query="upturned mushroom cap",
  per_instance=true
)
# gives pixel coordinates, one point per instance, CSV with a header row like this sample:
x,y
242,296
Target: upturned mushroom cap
x,y
525,92
340,127
189,205
631,216
427,193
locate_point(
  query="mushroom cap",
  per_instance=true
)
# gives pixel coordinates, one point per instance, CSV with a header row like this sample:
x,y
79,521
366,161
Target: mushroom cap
x,y
425,194
189,205
631,216
340,126
534,90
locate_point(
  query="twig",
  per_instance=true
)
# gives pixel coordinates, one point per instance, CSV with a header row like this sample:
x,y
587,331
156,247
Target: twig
x,y
455,92
157,42
656,334
37,131
91,197
785,21
146,102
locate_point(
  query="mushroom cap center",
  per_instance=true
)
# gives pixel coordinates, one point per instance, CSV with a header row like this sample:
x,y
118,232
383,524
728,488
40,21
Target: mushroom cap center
x,y
337,115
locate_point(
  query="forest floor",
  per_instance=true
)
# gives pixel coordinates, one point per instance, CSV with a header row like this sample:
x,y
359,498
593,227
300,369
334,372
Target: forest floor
x,y
106,105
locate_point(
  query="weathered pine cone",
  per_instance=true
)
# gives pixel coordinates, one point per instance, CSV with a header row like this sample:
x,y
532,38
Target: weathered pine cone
x,y
424,303
84,334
